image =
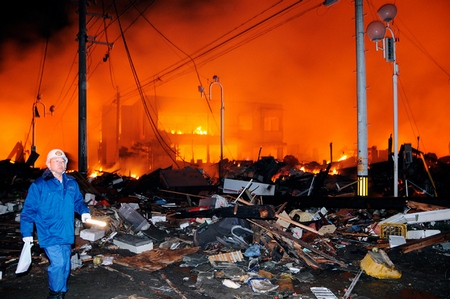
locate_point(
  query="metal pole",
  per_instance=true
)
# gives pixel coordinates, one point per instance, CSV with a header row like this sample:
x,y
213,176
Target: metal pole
x,y
331,152
395,90
393,59
377,31
362,163
35,112
33,124
117,126
82,85
222,117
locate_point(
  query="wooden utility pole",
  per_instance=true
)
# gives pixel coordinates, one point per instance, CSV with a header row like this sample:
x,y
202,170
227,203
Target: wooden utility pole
x,y
82,86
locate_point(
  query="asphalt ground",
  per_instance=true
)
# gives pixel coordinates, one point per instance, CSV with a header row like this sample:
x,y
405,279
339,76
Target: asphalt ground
x,y
425,274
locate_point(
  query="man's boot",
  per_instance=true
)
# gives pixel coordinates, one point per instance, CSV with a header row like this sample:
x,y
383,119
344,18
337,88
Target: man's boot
x,y
53,295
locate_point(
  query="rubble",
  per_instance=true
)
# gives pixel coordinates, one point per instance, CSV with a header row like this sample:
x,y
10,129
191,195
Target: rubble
x,y
249,234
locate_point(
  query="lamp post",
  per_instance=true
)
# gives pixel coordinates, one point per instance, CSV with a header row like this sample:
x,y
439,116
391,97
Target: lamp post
x,y
35,114
376,31
222,109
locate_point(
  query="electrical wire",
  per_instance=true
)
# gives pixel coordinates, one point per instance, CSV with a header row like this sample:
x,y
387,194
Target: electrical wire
x,y
170,42
208,49
190,59
166,147
44,59
108,52
415,41
38,94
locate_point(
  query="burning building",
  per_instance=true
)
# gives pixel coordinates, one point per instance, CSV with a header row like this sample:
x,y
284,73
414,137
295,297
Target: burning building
x,y
166,132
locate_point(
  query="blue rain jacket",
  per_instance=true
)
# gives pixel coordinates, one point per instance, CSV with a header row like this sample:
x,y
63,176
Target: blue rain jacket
x,y
51,205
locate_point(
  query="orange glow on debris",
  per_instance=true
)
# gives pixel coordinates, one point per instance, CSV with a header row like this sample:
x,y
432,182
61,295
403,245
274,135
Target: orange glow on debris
x,y
342,158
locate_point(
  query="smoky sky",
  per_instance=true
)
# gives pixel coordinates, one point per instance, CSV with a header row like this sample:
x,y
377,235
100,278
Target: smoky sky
x,y
28,22
303,59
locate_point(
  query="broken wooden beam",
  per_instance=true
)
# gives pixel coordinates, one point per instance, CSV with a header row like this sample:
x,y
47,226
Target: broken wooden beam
x,y
172,285
281,234
425,242
423,206
250,211
306,202
277,215
299,224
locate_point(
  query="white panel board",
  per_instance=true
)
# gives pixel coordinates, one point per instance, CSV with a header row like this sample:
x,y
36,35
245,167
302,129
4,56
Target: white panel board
x,y
236,187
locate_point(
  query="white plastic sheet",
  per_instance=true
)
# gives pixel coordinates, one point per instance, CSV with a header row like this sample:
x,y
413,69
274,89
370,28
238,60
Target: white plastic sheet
x,y
25,258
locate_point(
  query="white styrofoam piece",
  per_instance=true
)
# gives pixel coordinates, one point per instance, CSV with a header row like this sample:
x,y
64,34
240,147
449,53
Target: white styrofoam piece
x,y
283,223
397,218
12,206
395,241
429,216
92,234
134,248
89,197
419,234
3,209
158,218
236,186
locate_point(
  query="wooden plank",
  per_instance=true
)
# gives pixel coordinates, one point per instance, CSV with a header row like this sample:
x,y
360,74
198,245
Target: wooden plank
x,y
423,206
172,285
263,224
299,224
250,211
425,242
281,208
288,219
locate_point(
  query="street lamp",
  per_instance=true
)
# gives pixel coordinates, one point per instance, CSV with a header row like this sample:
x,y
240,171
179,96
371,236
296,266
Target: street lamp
x,y
376,31
35,111
222,109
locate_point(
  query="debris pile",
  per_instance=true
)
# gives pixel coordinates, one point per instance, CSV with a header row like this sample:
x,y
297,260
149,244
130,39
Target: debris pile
x,y
240,235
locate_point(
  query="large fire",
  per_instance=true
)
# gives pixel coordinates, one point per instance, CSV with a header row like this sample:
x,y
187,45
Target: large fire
x,y
278,94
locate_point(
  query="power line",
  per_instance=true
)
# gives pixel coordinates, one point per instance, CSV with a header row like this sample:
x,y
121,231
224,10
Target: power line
x,y
154,127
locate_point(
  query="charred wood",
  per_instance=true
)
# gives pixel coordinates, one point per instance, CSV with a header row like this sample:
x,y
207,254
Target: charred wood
x,y
425,242
251,211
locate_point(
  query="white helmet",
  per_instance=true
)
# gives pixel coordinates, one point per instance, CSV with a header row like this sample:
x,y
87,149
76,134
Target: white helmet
x,y
56,153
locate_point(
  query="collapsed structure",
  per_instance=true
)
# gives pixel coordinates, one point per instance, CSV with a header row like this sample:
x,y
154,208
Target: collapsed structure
x,y
267,211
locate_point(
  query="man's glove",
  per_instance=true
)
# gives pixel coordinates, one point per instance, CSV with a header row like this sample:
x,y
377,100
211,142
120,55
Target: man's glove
x,y
27,240
85,216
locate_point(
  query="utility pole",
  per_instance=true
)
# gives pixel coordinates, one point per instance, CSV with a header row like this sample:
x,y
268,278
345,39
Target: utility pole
x,y
117,124
83,38
82,94
362,162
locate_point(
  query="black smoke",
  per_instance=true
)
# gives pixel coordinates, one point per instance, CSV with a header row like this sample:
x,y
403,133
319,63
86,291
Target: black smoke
x,y
28,22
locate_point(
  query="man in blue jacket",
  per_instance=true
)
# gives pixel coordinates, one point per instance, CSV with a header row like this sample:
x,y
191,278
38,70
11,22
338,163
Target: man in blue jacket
x,y
51,204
